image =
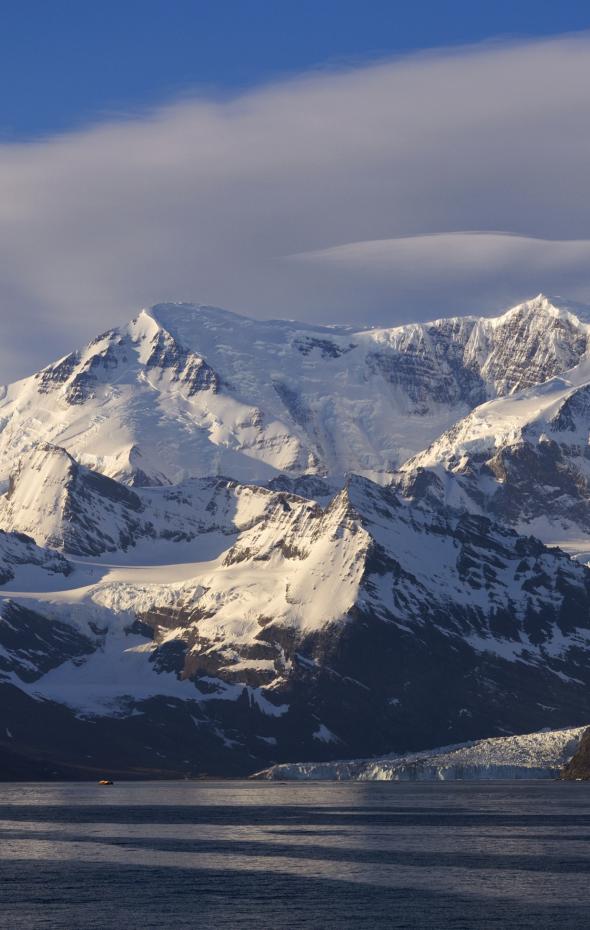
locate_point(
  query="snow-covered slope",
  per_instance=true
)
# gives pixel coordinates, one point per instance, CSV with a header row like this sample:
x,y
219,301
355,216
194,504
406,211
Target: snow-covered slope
x,y
532,755
365,626
524,459
186,391
70,508
17,549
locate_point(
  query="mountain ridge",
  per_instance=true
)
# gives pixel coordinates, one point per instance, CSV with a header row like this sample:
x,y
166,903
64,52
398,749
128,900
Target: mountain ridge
x,y
232,559
179,393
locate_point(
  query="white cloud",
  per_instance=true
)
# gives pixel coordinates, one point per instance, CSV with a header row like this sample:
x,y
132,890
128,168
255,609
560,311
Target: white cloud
x,y
205,199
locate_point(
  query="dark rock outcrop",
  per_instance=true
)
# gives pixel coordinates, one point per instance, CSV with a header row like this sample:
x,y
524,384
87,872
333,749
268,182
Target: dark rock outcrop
x,y
578,768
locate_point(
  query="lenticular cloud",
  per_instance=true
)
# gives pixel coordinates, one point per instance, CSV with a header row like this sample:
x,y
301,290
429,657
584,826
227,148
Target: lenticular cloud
x,y
206,199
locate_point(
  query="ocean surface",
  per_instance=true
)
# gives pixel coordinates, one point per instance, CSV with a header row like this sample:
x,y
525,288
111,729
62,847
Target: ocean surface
x,y
216,855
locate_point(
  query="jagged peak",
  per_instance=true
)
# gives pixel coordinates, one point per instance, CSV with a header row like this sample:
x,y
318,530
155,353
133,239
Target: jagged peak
x,y
49,464
554,307
361,498
50,448
44,456
342,504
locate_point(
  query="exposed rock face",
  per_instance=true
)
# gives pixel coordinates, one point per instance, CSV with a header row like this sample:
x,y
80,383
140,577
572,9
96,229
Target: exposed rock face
x,y
530,344
578,767
188,369
32,647
17,549
524,460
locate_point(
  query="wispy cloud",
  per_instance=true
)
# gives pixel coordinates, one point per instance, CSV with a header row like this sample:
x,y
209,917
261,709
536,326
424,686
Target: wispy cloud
x,y
463,270
204,199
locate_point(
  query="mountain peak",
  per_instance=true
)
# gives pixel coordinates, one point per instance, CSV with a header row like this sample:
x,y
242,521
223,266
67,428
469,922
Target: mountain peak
x,y
555,307
189,390
188,321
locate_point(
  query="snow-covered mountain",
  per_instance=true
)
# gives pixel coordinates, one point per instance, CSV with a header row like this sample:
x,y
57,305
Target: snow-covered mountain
x,y
17,550
70,508
189,391
205,584
361,627
532,755
522,459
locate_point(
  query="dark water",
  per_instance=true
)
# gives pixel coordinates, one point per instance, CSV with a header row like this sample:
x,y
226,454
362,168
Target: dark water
x,y
273,856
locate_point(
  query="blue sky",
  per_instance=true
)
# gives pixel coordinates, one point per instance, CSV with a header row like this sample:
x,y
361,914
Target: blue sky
x,y
371,162
66,64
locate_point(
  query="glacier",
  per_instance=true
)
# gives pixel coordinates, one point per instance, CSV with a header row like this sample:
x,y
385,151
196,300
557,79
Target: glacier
x,y
529,756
